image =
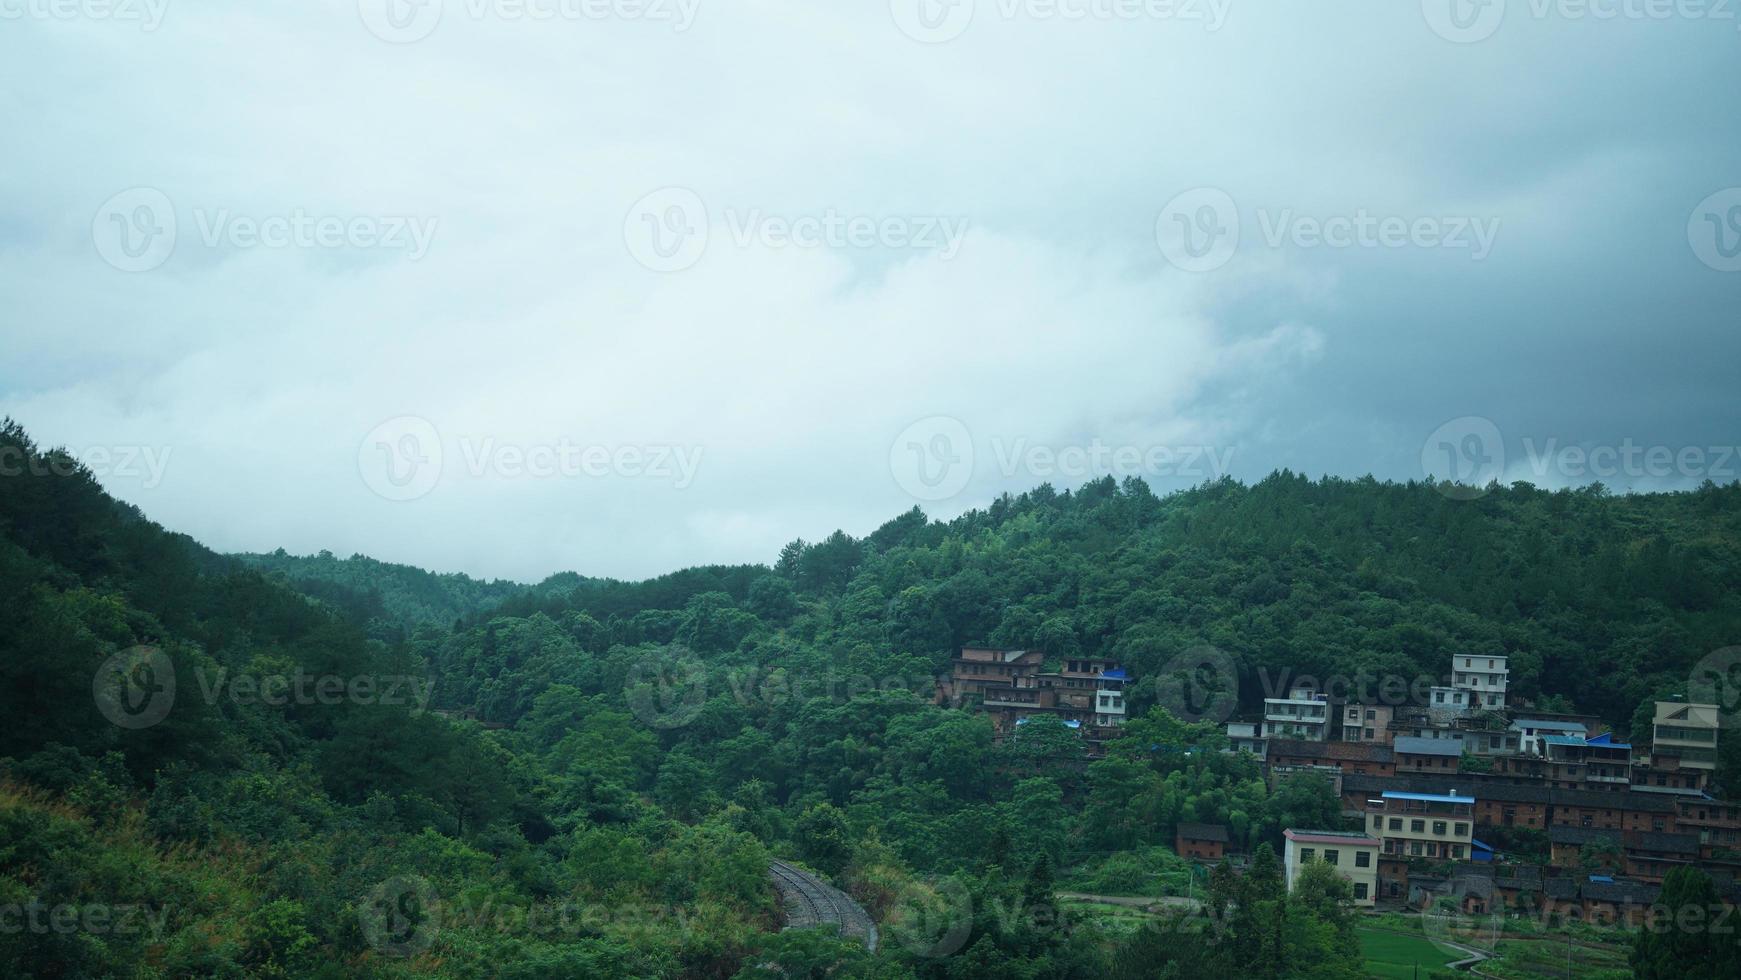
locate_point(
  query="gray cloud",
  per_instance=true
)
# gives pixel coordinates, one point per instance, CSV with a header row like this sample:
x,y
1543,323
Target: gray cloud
x,y
529,328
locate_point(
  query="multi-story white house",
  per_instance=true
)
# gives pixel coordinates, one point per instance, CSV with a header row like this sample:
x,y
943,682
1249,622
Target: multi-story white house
x,y
1303,714
1684,737
1109,698
1485,677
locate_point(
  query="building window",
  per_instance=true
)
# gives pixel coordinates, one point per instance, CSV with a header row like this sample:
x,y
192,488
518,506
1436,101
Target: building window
x,y
1306,854
1362,859
1418,826
1462,828
1396,823
1332,857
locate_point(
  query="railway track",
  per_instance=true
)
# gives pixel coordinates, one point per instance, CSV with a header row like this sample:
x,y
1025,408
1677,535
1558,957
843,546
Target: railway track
x,y
809,901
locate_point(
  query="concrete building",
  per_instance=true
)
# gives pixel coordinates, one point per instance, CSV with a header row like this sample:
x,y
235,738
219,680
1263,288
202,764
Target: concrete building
x,y
1303,714
1684,738
1429,825
1447,704
1354,856
1484,677
1245,736
1367,723
1531,732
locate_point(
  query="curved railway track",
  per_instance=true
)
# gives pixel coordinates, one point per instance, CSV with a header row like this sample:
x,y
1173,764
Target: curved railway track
x,y
809,901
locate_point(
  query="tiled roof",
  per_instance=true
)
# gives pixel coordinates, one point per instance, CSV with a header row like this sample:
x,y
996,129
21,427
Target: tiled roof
x,y
1620,892
1203,831
1428,746
1560,887
1650,840
1581,835
1339,751
1492,790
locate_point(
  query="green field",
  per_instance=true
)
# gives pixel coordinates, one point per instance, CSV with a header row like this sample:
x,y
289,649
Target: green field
x,y
1390,954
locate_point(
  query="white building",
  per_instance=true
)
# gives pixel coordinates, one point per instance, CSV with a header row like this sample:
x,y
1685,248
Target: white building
x,y
1354,856
1484,677
1109,698
1303,714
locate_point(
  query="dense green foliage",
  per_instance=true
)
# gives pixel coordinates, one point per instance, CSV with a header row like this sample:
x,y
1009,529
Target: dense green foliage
x,y
640,749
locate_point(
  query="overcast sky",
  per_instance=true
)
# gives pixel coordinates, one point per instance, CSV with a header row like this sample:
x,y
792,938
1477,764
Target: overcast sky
x,y
655,283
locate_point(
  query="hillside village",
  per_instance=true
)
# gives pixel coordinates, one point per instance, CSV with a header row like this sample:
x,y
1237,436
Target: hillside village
x,y
1466,797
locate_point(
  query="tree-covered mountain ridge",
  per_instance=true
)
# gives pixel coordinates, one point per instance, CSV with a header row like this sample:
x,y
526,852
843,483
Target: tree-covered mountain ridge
x,y
1603,600
651,744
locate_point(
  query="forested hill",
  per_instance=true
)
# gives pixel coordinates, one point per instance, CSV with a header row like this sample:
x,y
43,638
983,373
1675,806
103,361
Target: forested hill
x,y
366,589
1601,600
646,747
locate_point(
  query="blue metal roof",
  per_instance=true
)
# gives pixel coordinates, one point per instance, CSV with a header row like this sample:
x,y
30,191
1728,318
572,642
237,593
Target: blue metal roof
x,y
1115,675
1485,847
1563,740
1607,738
1426,797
